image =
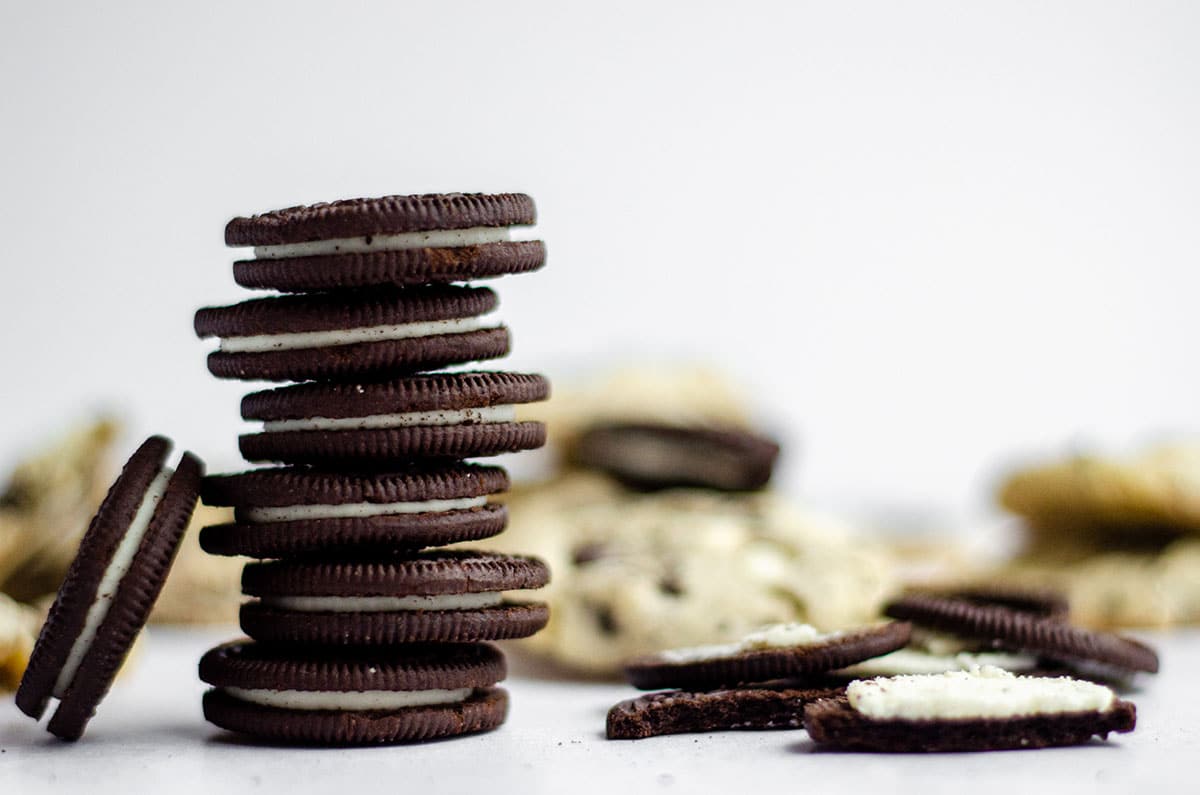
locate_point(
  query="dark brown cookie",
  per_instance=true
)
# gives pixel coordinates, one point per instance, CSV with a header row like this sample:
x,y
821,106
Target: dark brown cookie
x,y
383,215
328,696
835,723
1042,602
343,335
683,712
436,596
111,586
708,668
401,268
647,456
443,415
292,511
1080,649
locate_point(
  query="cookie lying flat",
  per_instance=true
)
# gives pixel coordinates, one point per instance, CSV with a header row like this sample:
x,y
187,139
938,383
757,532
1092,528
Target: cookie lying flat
x,y
110,587
783,651
682,712
359,697
352,334
1043,602
399,240
653,457
443,596
982,710
444,415
292,511
1080,649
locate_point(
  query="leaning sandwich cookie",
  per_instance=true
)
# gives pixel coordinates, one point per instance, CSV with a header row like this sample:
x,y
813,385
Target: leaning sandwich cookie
x,y
110,587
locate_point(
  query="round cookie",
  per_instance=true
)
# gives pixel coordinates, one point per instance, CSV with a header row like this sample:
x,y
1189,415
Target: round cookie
x,y
110,587
647,456
1080,649
445,596
443,415
294,511
393,240
785,651
353,333
359,697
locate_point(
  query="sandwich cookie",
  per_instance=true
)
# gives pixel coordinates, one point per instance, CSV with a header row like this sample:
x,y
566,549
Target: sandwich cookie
x,y
443,596
650,457
291,511
985,709
350,334
1086,652
780,651
396,240
359,697
110,587
442,415
683,712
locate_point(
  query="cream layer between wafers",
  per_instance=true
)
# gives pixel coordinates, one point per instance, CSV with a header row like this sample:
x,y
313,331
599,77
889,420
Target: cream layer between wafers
x,y
399,241
983,692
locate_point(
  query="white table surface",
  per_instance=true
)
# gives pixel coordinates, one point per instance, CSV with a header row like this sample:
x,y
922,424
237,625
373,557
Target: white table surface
x,y
149,736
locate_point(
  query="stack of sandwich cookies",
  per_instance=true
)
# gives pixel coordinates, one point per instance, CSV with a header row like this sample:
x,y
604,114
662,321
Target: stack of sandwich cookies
x,y
362,631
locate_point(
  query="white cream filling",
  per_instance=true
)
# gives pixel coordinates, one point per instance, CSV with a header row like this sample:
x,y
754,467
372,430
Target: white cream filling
x,y
382,604
297,340
483,415
915,661
122,559
775,636
984,692
350,700
401,241
359,510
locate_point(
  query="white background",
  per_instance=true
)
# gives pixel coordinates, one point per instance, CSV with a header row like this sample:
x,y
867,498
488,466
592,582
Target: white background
x,y
932,236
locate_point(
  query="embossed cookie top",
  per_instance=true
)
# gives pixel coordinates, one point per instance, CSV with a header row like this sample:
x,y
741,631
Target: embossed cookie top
x,y
386,214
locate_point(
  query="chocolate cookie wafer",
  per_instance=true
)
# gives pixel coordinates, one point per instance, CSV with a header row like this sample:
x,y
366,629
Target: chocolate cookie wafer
x,y
1082,650
354,697
442,415
683,712
111,586
293,511
352,334
396,240
783,651
438,596
981,710
647,456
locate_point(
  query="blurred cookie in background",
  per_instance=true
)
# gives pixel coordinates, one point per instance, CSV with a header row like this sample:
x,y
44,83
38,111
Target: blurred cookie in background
x,y
635,573
1119,536
46,506
18,631
672,395
650,457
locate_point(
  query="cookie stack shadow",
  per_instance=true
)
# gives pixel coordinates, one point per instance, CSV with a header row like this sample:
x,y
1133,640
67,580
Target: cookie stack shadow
x,y
362,630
